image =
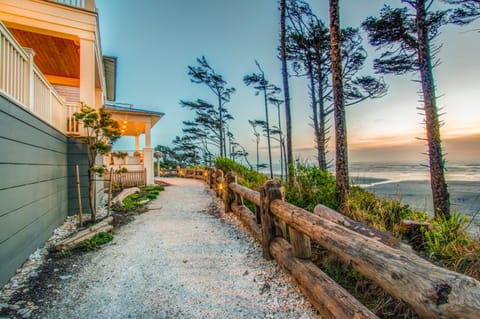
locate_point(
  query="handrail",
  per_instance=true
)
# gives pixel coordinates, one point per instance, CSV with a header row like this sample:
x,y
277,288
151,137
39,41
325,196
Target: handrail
x,y
22,82
432,291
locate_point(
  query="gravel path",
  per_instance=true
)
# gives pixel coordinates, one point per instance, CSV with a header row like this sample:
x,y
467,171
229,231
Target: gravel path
x,y
180,260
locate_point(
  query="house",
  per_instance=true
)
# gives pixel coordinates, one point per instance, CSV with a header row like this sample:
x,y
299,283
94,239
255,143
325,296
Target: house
x,y
50,60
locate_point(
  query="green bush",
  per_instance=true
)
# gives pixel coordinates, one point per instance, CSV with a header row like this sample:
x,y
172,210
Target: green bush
x,y
312,186
246,176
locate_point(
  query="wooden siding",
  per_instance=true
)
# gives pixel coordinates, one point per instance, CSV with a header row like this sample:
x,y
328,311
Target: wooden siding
x,y
77,155
33,184
53,55
71,94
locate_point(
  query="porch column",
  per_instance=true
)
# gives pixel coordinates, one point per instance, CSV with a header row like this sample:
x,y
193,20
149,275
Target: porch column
x,y
148,153
87,72
137,142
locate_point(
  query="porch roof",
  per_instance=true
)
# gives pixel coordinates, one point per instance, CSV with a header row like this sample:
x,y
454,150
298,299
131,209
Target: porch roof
x,y
133,121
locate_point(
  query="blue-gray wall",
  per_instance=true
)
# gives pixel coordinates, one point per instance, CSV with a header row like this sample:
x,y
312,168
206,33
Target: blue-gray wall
x,y
77,155
33,185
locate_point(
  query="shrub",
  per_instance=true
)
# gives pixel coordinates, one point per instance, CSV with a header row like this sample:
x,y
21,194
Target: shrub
x,y
246,176
312,186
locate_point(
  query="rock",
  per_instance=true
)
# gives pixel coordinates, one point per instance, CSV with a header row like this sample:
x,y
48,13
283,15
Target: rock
x,y
14,307
65,277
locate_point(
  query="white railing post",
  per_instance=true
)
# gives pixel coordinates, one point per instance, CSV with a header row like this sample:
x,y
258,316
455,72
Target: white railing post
x,y
89,5
30,81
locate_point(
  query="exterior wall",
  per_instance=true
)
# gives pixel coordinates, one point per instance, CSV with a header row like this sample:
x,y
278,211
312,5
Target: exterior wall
x,y
77,155
33,184
71,94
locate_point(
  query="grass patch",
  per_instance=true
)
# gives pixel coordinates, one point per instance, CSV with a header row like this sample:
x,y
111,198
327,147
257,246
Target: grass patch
x,y
95,242
139,200
246,176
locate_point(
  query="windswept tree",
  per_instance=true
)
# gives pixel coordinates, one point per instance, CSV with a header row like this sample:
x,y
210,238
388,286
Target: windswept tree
x,y
405,35
286,89
204,128
254,125
101,132
186,150
268,90
203,73
341,148
281,136
464,11
310,51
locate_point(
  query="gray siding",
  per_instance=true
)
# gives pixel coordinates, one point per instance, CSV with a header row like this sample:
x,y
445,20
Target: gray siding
x,y
33,184
77,155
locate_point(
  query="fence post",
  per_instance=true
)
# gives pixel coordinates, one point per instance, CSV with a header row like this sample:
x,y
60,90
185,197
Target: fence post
x,y
270,191
230,197
219,182
301,247
212,178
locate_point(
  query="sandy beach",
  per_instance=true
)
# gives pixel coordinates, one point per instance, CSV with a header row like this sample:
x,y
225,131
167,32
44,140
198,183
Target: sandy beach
x,y
464,195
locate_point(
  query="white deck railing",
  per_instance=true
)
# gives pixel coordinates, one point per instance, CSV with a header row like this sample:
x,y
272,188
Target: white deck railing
x,y
82,4
22,82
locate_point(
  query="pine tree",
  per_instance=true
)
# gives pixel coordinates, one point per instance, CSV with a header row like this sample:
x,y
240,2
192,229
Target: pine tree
x,y
406,39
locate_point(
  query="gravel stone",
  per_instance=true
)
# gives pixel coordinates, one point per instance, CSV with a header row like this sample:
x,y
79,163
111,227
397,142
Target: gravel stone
x,y
181,259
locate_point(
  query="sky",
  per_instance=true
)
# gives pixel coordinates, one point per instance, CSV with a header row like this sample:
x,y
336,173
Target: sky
x,y
156,40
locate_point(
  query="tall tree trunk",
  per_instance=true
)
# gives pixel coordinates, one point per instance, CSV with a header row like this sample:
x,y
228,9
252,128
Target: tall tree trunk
x,y
286,91
268,132
280,141
441,197
91,191
313,96
322,152
341,150
258,142
220,114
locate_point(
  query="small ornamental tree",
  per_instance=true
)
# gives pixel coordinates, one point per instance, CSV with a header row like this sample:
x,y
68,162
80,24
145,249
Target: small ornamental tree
x,y
101,132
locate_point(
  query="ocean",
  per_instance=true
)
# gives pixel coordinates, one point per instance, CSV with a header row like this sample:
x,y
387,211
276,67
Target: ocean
x,y
410,183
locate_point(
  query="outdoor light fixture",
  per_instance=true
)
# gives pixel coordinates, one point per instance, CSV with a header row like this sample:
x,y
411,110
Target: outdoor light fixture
x,y
124,126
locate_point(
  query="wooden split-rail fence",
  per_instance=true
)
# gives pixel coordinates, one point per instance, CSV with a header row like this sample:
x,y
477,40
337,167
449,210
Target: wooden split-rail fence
x,y
286,231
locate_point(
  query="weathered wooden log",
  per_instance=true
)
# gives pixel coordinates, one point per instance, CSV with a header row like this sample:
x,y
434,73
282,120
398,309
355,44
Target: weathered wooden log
x,y
124,193
270,191
81,234
248,220
301,246
331,300
76,242
245,192
229,197
360,228
432,291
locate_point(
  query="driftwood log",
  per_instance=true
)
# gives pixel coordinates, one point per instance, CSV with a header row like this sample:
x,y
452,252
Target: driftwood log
x,y
433,292
356,226
83,235
332,300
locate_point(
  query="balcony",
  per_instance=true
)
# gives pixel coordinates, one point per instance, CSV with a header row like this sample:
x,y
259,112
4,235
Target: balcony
x,y
22,82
